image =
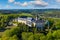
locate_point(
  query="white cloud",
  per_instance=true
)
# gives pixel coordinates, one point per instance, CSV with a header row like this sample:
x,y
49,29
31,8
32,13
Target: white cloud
x,y
38,3
11,1
34,3
57,0
21,4
17,3
25,4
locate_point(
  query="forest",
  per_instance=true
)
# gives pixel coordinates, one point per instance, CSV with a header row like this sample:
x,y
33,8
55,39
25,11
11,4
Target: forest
x,y
23,32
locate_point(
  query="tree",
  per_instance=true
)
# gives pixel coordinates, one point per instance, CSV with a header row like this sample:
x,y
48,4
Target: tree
x,y
23,27
14,38
49,36
26,35
11,33
51,22
56,34
31,37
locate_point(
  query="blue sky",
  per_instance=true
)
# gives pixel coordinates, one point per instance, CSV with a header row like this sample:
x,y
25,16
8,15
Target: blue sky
x,y
29,4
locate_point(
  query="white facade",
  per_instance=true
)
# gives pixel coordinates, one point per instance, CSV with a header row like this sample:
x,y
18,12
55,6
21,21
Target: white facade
x,y
28,21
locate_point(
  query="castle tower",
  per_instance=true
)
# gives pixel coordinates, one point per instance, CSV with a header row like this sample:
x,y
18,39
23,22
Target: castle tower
x,y
37,17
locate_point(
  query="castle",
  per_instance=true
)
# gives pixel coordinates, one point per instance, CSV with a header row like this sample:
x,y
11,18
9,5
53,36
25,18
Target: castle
x,y
39,23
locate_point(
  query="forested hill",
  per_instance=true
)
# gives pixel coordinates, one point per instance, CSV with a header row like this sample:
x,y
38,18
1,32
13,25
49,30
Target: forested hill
x,y
26,10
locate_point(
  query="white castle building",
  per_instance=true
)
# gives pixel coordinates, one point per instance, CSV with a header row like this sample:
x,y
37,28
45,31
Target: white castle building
x,y
26,20
29,21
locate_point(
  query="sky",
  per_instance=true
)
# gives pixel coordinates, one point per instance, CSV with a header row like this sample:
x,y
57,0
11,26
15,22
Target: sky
x,y
29,4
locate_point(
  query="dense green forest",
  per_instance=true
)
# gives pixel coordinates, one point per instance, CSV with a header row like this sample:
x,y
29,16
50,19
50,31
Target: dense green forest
x,y
22,31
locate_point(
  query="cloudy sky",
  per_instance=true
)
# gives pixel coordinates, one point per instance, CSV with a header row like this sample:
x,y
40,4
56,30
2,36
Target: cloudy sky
x,y
29,4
